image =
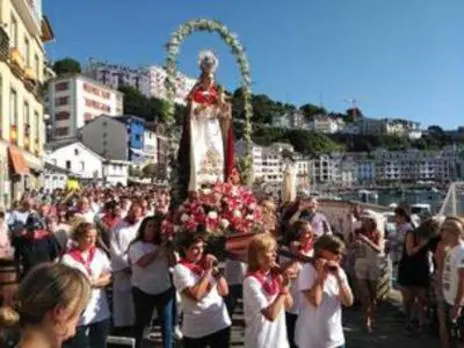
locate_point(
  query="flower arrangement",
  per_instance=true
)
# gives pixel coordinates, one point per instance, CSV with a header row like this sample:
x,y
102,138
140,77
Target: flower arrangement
x,y
219,210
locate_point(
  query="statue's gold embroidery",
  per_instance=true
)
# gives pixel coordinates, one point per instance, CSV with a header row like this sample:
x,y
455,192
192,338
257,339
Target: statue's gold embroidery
x,y
211,164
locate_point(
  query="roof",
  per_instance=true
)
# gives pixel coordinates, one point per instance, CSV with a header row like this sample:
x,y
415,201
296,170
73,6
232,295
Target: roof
x,y
86,78
58,146
54,168
122,118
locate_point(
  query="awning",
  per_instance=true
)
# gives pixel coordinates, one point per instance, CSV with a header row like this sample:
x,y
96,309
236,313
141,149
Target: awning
x,y
17,160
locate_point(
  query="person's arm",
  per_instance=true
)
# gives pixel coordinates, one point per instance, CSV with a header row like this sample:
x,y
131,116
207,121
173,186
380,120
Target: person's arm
x,y
412,249
345,294
201,289
374,246
143,261
222,286
459,300
102,281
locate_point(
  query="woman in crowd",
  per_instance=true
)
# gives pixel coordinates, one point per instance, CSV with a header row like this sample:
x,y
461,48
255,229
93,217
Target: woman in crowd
x,y
49,302
122,236
266,296
413,274
206,322
368,244
325,288
150,258
94,264
300,240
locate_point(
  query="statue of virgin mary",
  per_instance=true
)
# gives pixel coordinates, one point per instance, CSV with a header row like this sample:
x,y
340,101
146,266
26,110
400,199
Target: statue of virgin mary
x,y
206,149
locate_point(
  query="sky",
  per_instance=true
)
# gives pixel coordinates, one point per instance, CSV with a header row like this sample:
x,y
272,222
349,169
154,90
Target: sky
x,y
397,58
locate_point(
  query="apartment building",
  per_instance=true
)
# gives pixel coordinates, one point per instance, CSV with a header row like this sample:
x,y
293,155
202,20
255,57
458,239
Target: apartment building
x,y
326,124
74,100
23,32
150,81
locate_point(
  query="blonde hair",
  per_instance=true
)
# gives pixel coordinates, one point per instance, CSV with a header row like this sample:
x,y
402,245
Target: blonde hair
x,y
258,246
458,222
46,287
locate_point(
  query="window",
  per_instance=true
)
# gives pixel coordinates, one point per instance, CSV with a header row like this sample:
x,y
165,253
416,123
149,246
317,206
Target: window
x,y
38,127
62,101
82,166
37,66
13,108
62,131
14,32
26,118
76,152
27,52
68,165
61,116
62,86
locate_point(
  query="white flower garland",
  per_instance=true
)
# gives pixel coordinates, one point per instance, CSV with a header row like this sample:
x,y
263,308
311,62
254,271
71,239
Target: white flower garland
x,y
238,51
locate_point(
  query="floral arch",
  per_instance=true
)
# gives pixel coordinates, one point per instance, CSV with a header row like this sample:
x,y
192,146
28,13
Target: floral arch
x,y
172,48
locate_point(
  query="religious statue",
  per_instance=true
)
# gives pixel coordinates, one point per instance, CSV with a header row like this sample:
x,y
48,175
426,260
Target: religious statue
x,y
206,151
289,182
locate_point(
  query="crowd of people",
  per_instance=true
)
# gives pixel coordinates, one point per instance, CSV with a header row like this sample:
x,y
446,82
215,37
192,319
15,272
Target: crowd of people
x,y
94,263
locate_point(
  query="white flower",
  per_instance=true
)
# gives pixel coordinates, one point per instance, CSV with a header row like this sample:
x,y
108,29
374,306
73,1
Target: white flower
x,y
237,213
184,217
249,217
252,206
212,215
224,223
206,191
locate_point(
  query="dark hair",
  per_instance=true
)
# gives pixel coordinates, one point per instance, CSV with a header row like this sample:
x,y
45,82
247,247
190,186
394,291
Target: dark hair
x,y
189,239
332,244
158,220
295,231
402,211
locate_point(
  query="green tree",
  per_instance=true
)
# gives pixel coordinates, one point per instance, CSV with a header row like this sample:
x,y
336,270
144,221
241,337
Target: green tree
x,y
310,110
67,66
135,103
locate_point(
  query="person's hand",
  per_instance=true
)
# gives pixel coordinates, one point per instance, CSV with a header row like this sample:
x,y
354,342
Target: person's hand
x,y
285,281
210,262
292,270
455,312
320,265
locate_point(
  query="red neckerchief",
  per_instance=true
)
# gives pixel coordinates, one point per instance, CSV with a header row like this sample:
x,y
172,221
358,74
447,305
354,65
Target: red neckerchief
x,y
110,221
307,247
38,235
269,282
76,254
194,267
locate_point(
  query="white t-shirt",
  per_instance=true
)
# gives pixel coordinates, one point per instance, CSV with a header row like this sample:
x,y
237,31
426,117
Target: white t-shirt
x,y
153,279
453,262
204,317
88,216
259,331
97,309
320,327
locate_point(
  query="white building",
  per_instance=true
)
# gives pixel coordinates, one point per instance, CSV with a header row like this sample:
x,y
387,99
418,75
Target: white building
x,y
325,124
149,81
150,142
73,100
83,163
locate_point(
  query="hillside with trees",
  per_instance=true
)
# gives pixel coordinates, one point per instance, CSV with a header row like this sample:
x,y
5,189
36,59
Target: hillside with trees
x,y
266,109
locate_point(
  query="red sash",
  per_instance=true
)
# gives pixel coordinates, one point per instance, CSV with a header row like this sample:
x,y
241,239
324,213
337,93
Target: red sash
x,y
270,282
194,267
76,254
